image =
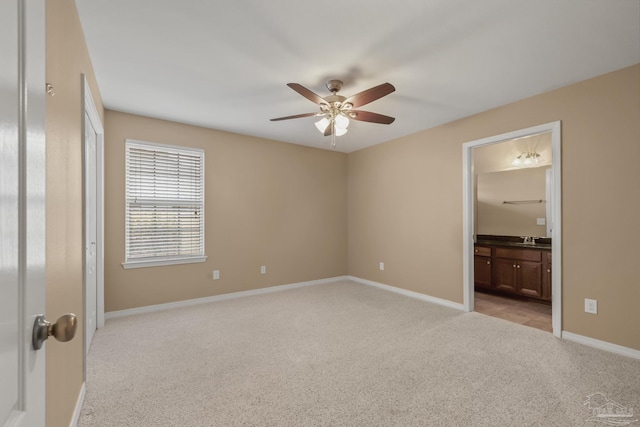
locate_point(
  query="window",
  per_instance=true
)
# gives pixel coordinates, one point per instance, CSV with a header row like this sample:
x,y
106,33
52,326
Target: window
x,y
164,204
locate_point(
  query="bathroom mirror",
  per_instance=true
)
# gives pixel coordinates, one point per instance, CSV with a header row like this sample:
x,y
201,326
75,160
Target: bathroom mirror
x,y
512,203
499,177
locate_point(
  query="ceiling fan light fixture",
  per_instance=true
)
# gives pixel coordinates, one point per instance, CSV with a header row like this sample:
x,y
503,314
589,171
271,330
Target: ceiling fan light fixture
x,y
322,124
342,122
340,131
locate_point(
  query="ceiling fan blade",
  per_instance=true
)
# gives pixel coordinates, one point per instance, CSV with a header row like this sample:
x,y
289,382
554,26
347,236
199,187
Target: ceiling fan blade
x,y
297,116
370,95
367,116
311,96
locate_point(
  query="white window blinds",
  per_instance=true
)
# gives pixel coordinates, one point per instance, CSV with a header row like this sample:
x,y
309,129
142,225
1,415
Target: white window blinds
x,y
164,204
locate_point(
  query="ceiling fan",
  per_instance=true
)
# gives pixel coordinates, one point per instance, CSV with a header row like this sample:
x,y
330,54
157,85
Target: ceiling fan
x,y
336,110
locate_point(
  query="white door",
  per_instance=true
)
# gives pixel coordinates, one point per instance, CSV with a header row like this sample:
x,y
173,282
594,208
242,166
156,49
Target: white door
x,y
22,211
90,232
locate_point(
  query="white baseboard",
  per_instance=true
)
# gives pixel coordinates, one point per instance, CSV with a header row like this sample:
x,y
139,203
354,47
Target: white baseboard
x,y
76,412
602,345
569,336
186,303
410,294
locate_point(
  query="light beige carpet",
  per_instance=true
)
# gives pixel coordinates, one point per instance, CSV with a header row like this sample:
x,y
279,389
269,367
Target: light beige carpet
x,y
342,354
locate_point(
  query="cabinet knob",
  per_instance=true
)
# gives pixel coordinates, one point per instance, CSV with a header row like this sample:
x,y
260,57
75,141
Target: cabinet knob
x,y
514,266
488,262
518,266
548,270
476,251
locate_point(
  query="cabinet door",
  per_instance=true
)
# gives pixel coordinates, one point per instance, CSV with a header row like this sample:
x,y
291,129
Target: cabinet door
x,y
546,277
504,274
529,278
482,271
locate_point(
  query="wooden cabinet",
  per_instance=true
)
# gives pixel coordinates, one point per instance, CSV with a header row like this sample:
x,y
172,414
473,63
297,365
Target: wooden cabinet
x,y
482,267
546,275
504,277
526,272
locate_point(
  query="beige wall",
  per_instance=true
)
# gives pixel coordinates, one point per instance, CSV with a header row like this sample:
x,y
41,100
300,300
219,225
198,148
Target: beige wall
x,y
66,59
405,202
266,202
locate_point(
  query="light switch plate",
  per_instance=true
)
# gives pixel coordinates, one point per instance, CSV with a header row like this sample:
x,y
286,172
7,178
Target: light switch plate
x,y
541,221
216,274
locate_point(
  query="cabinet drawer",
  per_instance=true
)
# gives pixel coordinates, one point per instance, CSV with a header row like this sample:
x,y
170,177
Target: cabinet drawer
x,y
521,254
482,251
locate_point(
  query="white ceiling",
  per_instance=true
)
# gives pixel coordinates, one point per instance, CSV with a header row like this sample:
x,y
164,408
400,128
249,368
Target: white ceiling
x,y
225,64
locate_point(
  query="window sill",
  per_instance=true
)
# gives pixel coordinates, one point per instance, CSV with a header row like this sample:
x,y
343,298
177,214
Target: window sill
x,y
161,262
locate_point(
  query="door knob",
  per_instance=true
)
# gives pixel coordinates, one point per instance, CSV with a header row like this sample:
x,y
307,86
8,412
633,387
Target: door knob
x,y
63,330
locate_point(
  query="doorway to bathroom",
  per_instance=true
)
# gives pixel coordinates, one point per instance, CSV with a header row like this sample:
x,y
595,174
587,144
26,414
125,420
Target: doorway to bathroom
x,y
512,226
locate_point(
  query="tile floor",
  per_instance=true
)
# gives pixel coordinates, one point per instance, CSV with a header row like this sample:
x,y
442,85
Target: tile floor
x,y
524,312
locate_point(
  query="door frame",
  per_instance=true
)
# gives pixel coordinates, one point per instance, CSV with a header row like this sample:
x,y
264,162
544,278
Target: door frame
x,y
468,204
89,109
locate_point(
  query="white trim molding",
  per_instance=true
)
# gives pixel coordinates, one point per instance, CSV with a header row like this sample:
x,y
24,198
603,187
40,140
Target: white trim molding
x,y
408,293
90,109
468,207
602,345
156,263
196,301
78,408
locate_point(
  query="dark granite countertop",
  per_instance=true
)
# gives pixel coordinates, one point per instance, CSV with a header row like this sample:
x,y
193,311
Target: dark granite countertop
x,y
513,241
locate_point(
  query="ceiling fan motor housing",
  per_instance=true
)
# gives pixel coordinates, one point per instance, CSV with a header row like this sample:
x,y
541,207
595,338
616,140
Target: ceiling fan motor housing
x,y
334,85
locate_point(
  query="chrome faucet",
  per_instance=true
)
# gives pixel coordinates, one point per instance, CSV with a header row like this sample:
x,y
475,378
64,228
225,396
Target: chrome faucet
x,y
532,240
525,239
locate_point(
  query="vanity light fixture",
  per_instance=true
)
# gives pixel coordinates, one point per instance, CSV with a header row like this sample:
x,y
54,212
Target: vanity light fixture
x,y
528,159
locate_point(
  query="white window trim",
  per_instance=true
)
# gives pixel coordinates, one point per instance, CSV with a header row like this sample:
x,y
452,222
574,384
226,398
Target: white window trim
x,y
174,260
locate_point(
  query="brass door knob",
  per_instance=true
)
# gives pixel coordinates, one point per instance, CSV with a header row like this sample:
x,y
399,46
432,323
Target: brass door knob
x,y
63,330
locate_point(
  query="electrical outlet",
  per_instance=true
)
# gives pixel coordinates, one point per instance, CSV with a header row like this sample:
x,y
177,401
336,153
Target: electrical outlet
x,y
591,306
263,269
382,266
216,274
541,221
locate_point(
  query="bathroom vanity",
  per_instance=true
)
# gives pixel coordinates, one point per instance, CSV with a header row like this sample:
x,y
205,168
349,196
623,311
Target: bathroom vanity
x,y
508,265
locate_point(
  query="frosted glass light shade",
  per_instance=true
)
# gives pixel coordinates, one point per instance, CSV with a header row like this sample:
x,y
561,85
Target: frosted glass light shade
x,y
340,131
341,122
528,159
322,124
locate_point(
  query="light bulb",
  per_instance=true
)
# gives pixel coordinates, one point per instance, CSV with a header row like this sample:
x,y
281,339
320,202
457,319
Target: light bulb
x,y
340,131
